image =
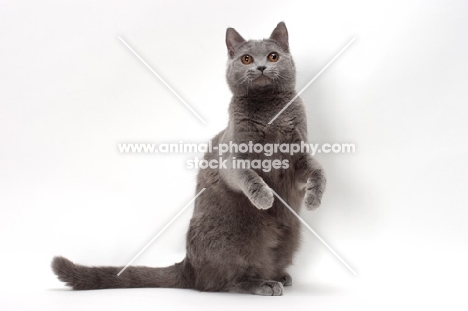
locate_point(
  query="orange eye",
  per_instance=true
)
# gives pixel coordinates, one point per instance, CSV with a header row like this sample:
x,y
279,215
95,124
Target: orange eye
x,y
247,59
273,57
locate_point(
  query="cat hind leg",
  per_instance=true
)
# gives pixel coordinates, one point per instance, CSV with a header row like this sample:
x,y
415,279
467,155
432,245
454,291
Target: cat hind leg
x,y
258,287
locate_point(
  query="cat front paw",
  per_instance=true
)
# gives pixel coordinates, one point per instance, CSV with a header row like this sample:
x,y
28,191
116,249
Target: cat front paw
x,y
261,196
313,195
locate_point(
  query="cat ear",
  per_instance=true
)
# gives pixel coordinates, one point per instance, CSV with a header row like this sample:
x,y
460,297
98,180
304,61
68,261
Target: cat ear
x,y
233,40
280,35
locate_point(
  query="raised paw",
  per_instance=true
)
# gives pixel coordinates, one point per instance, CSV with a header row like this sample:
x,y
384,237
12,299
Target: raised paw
x,y
261,196
270,288
313,195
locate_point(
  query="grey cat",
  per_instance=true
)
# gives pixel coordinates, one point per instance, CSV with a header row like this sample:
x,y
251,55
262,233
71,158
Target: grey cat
x,y
240,238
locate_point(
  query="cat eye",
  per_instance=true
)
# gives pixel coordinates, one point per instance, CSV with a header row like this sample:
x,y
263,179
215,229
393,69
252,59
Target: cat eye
x,y
246,59
273,57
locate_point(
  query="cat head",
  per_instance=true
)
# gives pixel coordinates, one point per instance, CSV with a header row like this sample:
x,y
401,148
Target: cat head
x,y
260,66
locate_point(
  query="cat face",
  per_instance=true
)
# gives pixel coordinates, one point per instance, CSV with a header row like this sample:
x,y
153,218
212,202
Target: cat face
x,y
257,66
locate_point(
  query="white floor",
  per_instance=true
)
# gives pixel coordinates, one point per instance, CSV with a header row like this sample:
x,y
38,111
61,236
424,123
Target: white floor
x,y
315,296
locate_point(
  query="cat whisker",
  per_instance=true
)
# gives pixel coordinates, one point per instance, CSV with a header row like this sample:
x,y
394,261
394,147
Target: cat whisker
x,y
241,79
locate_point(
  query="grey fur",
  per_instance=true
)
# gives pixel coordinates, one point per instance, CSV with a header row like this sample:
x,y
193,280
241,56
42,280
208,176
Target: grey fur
x,y
240,238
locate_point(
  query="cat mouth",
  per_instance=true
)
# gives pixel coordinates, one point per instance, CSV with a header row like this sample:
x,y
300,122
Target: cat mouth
x,y
262,80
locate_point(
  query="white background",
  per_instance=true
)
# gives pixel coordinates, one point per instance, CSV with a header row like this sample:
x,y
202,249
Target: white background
x,y
70,91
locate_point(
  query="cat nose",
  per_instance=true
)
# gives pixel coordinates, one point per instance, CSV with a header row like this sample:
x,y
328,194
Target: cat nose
x,y
261,68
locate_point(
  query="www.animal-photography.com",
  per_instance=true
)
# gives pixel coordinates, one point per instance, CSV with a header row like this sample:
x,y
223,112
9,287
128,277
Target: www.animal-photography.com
x,y
246,155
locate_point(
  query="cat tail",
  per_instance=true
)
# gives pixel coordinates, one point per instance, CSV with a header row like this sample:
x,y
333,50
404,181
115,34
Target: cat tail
x,y
83,277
